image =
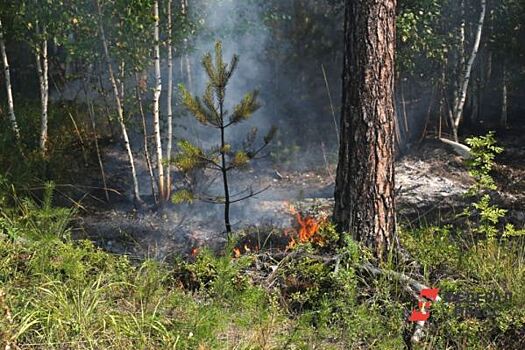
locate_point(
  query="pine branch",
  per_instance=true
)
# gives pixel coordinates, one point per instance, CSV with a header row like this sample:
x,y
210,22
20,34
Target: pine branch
x,y
245,108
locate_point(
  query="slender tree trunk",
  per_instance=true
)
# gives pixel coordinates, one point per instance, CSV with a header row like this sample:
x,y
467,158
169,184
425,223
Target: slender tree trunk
x,y
462,95
156,99
364,194
405,115
92,118
224,169
169,106
146,141
43,77
9,90
504,98
106,104
118,104
185,60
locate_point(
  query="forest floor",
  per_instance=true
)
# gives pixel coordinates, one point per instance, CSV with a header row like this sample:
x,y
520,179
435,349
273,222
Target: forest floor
x,y
431,182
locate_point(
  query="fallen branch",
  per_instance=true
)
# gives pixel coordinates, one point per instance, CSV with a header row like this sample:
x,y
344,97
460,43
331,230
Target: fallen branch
x,y
459,148
411,285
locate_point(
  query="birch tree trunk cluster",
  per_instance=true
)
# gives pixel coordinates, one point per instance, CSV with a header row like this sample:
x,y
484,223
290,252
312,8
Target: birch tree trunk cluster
x,y
460,95
132,38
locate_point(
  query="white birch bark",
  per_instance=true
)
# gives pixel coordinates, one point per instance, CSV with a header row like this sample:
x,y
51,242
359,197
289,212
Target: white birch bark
x,y
185,60
43,77
118,104
169,106
156,99
458,107
9,90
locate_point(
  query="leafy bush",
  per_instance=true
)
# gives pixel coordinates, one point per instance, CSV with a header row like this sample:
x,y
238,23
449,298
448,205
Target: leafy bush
x,y
481,162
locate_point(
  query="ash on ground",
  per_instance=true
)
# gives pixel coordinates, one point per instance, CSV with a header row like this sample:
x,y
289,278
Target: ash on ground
x,y
431,182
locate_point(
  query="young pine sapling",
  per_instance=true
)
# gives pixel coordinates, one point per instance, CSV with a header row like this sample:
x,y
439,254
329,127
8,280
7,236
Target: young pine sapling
x,y
210,111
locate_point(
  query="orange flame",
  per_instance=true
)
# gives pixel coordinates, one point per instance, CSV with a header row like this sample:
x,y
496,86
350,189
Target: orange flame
x,y
236,252
307,231
308,228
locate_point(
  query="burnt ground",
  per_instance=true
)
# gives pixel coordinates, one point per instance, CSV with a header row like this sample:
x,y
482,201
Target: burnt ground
x,y
431,182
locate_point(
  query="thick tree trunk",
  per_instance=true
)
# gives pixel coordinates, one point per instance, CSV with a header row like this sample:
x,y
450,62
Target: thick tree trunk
x,y
364,195
43,77
462,95
118,104
156,100
9,90
169,107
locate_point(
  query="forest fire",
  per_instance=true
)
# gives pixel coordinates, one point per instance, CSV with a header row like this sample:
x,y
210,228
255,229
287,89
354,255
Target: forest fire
x,y
194,251
307,230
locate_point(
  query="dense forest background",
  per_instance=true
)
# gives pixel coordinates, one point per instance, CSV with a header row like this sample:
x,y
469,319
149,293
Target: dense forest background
x,y
284,46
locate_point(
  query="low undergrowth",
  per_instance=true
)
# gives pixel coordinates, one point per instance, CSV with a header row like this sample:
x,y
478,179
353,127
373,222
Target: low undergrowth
x,y
56,293
63,294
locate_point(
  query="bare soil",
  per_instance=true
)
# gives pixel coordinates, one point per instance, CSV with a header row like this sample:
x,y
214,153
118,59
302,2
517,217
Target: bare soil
x,y
431,182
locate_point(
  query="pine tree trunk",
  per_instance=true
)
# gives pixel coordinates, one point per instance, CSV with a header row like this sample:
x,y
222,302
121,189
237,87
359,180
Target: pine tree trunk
x,y
118,104
43,77
156,100
169,106
364,194
224,171
462,95
9,90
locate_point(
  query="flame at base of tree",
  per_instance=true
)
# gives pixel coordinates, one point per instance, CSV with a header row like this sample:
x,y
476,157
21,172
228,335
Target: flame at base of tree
x,y
307,231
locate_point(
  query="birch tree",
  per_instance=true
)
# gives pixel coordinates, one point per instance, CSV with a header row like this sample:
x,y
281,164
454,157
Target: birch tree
x,y
457,110
156,102
169,99
42,66
8,87
118,101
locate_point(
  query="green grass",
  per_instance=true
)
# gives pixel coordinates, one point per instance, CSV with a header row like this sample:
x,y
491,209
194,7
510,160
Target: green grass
x,y
63,294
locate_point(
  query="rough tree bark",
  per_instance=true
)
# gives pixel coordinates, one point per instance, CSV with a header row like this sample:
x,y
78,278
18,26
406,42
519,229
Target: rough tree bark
x,y
169,107
118,104
156,99
455,116
364,194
